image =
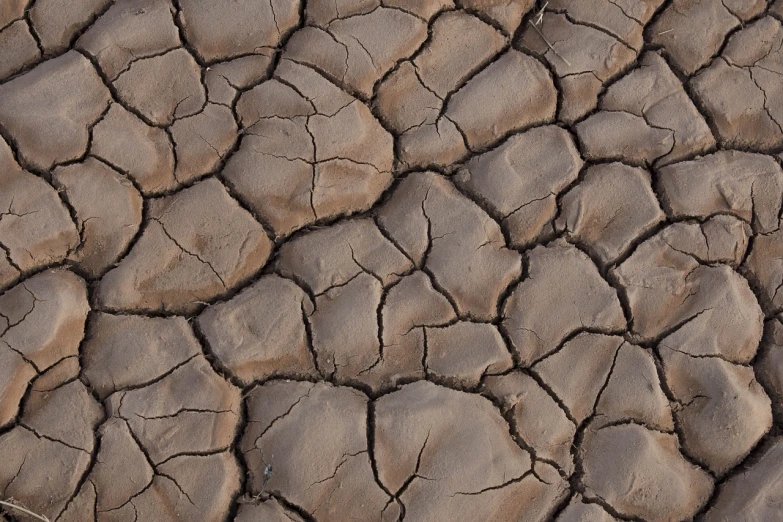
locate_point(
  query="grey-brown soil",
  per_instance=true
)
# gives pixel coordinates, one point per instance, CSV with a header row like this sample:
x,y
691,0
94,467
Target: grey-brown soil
x,y
386,260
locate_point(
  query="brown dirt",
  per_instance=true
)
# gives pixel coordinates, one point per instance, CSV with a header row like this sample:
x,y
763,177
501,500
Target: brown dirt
x,y
385,260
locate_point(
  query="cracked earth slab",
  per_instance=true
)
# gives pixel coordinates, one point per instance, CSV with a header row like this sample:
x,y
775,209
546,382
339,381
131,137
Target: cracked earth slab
x,y
387,260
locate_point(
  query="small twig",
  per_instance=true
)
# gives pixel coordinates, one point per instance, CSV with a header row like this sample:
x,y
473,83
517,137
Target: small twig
x,y
549,44
23,510
540,14
666,31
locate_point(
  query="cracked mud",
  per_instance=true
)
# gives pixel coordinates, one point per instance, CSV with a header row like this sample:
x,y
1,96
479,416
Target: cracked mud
x,y
386,260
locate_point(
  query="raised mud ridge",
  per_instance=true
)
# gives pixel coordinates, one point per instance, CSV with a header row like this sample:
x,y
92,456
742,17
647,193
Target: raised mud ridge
x,y
386,260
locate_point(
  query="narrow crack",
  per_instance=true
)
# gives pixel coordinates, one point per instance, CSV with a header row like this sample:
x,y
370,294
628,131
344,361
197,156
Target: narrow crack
x,y
192,254
496,487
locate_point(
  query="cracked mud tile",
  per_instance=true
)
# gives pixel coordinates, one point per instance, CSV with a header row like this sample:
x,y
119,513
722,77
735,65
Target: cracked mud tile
x,y
8,272
201,141
193,486
425,9
128,31
450,236
514,92
108,212
118,451
723,411
741,90
188,487
764,267
261,332
356,49
268,510
184,487
519,180
332,256
696,308
720,239
56,22
633,392
461,354
349,267
768,366
601,378
422,427
623,136
562,279
727,239
593,57
755,492
218,31
393,344
440,144
748,186
11,10
315,438
537,419
129,351
580,511
191,410
576,374
459,46
410,306
405,104
224,79
41,323
645,118
42,318
641,473
346,333
81,507
506,13
321,13
199,244
15,376
612,206
35,227
162,88
144,153
273,169
412,96
625,19
713,312
48,110
65,413
52,445
692,32
310,151
18,48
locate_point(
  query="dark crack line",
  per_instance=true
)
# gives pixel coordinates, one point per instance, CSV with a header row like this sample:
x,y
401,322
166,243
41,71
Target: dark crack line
x,y
766,102
184,250
281,416
496,487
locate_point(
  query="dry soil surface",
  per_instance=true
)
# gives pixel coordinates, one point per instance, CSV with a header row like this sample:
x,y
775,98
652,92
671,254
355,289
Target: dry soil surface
x,y
384,260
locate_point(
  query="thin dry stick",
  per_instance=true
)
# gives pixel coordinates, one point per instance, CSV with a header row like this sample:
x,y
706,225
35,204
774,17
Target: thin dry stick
x,y
23,510
540,14
549,44
666,31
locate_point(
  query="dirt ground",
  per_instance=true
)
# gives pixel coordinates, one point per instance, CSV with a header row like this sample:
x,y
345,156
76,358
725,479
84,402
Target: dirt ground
x,y
384,260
